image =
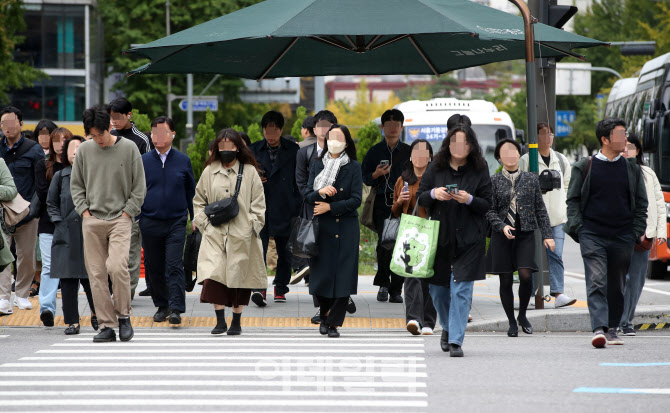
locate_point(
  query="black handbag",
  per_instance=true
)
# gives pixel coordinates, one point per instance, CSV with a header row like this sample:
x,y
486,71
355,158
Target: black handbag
x,y
303,240
222,211
35,207
390,232
191,251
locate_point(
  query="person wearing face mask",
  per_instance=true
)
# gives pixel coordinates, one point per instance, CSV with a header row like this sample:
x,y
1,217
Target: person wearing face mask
x,y
231,259
67,250
656,231
44,173
517,210
167,205
456,190
419,310
607,214
335,190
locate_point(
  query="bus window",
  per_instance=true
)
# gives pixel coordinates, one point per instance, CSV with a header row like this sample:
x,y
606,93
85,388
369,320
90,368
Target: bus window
x,y
665,151
666,98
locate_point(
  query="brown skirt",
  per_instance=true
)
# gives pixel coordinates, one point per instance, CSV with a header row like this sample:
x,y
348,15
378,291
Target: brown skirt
x,y
214,292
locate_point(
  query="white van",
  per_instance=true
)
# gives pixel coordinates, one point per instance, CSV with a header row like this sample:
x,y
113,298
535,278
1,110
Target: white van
x,y
428,120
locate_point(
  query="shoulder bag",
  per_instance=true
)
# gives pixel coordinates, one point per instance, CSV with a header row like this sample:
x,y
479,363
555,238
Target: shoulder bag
x,y
222,211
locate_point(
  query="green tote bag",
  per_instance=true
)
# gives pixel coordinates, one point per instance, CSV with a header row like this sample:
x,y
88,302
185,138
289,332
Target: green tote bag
x,y
415,247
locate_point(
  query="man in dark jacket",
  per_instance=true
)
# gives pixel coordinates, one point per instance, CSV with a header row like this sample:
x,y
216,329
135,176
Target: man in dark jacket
x,y
382,166
21,156
121,112
169,199
276,157
607,213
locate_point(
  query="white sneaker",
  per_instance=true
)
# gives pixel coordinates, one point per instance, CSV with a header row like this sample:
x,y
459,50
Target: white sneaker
x,y
426,331
563,301
5,307
23,303
413,327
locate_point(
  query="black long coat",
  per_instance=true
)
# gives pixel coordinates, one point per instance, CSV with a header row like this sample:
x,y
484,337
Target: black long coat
x,y
282,197
67,248
334,273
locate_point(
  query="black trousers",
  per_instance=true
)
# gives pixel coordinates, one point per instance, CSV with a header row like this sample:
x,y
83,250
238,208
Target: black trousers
x,y
69,289
418,302
163,243
284,258
384,276
336,308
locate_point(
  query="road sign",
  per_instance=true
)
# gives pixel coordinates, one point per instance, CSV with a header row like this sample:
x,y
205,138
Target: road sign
x,y
200,105
564,118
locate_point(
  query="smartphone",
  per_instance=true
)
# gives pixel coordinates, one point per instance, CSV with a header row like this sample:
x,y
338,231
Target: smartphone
x,y
452,189
406,188
384,162
261,173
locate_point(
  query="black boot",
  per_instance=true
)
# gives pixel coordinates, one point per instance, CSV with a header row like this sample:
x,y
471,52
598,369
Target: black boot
x,y
221,326
444,341
125,329
235,327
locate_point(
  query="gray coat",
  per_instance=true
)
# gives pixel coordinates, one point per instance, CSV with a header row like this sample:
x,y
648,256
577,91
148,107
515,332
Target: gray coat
x,y
67,248
530,205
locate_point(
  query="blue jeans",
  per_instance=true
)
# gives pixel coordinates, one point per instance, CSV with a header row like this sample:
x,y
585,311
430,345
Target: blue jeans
x,y
452,303
48,285
555,261
637,271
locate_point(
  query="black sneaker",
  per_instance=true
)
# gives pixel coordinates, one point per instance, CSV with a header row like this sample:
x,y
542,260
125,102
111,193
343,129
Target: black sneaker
x,y
145,293
396,298
351,306
332,332
455,350
72,330
627,331
105,336
125,329
175,317
383,294
299,275
47,318
612,338
258,297
161,315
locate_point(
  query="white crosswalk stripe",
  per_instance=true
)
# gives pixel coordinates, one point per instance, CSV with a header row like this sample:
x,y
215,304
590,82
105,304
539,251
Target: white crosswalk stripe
x,y
264,371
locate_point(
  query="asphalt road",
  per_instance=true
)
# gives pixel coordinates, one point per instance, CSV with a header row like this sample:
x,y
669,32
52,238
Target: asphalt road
x,y
300,371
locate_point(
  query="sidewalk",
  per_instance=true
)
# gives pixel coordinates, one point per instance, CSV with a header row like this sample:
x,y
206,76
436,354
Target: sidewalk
x,y
486,311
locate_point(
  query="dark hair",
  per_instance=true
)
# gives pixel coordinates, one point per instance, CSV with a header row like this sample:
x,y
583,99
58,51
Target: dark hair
x,y
325,115
245,138
496,153
95,117
543,125
44,123
12,109
475,157
28,134
351,146
309,124
606,126
51,160
120,105
408,174
211,144
633,138
458,119
273,117
393,115
162,119
244,154
63,156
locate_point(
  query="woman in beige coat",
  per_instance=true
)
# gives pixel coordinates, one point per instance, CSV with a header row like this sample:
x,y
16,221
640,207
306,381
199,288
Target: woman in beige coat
x,y
230,262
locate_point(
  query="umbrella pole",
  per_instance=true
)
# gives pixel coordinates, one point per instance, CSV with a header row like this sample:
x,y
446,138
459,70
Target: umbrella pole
x,y
528,22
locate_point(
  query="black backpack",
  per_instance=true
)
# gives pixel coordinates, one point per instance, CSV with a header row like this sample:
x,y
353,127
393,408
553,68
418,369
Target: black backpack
x,y
191,250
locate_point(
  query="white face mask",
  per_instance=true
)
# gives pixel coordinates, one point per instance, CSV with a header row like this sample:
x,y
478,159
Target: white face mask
x,y
335,146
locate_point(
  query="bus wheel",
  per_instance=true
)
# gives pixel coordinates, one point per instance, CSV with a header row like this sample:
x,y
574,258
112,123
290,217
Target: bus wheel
x,y
657,270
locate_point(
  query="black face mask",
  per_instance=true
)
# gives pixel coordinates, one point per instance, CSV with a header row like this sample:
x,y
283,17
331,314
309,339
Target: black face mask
x,y
227,156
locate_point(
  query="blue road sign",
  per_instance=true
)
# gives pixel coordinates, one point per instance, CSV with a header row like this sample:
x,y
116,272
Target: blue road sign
x,y
563,120
201,105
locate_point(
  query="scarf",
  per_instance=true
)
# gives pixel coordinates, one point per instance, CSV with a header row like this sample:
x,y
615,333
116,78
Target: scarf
x,y
331,167
512,177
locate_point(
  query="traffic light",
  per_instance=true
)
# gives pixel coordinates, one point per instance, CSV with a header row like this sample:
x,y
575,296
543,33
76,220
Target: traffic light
x,y
557,15
639,49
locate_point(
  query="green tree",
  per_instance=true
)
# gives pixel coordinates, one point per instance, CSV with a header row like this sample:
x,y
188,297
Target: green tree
x,y
142,121
368,136
197,151
15,75
254,132
300,115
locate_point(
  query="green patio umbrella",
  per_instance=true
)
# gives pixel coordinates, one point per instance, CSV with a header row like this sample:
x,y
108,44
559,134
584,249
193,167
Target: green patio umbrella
x,y
278,38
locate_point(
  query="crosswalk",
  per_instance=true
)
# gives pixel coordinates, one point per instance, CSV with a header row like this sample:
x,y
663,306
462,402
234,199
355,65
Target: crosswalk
x,y
297,371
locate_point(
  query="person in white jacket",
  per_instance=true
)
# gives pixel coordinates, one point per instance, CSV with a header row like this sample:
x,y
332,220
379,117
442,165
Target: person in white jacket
x,y
557,208
656,228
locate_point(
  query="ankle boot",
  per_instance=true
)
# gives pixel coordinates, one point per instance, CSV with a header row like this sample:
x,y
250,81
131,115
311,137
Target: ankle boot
x,y
235,327
221,326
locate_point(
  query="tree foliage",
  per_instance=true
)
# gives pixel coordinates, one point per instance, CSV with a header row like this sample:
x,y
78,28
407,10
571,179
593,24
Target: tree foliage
x,y
15,75
198,150
300,115
368,136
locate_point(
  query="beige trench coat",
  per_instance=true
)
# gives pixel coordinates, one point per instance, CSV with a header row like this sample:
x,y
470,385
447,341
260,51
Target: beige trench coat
x,y
231,254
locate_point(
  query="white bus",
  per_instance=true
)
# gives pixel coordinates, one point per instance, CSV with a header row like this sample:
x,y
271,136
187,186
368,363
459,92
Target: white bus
x,y
428,120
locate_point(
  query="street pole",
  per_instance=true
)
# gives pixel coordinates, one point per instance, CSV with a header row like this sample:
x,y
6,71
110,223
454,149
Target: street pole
x,y
319,93
531,110
169,78
189,107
